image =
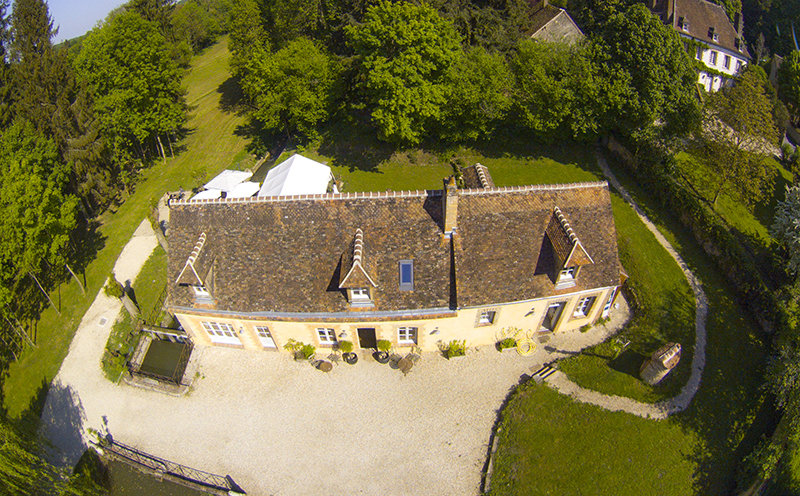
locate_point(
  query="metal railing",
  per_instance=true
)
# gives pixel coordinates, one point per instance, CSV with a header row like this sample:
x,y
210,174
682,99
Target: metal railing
x,y
153,317
165,467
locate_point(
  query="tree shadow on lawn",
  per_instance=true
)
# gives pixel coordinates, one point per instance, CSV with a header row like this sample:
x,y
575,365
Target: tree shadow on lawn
x,y
231,99
352,142
520,144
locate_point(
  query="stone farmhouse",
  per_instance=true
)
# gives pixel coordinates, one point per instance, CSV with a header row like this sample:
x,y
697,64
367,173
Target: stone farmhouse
x,y
709,34
552,24
417,268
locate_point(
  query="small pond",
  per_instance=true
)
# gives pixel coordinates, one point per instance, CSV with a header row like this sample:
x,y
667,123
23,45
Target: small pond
x,y
164,359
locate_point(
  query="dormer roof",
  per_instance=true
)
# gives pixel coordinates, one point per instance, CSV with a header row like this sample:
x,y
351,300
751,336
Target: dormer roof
x,y
354,267
190,273
567,248
477,176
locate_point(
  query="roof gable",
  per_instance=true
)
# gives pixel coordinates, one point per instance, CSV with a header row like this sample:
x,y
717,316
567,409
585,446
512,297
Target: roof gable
x,y
357,276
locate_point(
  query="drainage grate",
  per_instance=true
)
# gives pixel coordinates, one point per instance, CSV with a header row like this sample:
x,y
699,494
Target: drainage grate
x,y
103,321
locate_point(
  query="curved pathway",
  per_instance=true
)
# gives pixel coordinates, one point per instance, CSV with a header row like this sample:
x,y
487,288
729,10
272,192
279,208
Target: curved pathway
x,y
662,409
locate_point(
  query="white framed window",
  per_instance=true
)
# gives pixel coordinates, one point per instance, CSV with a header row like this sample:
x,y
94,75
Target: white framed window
x,y
265,337
406,273
407,335
584,306
359,294
738,66
726,62
566,278
220,332
713,58
326,335
699,54
607,307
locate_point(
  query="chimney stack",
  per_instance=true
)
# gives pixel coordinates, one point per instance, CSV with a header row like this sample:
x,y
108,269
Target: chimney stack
x,y
450,206
738,24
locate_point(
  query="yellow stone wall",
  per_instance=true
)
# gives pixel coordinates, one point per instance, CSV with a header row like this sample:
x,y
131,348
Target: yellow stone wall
x,y
430,331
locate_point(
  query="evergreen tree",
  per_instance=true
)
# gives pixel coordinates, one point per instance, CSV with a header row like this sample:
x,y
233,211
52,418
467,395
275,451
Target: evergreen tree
x,y
6,94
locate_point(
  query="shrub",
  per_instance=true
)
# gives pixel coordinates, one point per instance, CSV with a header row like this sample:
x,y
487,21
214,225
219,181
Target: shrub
x,y
384,345
293,345
308,350
112,287
346,346
507,343
456,348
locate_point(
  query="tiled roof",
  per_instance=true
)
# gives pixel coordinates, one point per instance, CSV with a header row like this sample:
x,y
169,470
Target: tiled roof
x,y
288,255
477,176
702,16
541,17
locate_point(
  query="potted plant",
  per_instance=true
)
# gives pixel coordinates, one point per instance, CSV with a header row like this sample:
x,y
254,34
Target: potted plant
x,y
382,355
506,344
300,350
456,349
346,348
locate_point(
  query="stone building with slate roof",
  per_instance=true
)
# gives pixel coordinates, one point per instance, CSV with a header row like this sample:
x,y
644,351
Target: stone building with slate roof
x,y
715,41
412,267
552,24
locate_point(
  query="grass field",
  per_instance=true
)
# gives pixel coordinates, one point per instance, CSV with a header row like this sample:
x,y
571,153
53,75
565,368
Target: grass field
x,y
214,142
549,444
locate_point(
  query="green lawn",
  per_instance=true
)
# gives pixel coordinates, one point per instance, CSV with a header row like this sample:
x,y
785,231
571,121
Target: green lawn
x,y
753,222
665,312
694,452
147,289
211,145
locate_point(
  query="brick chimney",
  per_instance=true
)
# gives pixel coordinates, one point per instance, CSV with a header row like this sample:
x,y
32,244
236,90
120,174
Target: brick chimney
x,y
449,206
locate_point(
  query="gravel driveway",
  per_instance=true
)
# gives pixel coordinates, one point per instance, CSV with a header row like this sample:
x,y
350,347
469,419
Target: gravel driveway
x,y
280,427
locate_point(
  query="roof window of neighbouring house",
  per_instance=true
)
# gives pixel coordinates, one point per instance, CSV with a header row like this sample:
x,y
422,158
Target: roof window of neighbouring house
x,y
406,269
712,33
683,23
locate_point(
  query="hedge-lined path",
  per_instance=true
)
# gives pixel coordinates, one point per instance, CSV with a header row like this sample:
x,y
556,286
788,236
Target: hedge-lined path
x,y
662,409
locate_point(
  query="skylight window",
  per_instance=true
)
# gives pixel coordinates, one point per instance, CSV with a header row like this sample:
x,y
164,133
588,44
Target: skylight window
x,y
406,275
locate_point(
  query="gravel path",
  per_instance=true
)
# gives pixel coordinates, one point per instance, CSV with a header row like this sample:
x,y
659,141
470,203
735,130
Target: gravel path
x,y
284,428
663,409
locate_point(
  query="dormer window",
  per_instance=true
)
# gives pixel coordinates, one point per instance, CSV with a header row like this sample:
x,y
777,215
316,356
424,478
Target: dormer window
x,y
201,294
712,33
566,278
359,294
683,23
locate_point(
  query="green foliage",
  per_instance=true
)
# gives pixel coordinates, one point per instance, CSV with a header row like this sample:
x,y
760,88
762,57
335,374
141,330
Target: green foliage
x,y
384,345
478,94
37,215
136,84
650,77
193,25
113,288
737,133
789,82
455,348
292,88
293,345
247,38
786,228
308,350
405,53
346,346
507,343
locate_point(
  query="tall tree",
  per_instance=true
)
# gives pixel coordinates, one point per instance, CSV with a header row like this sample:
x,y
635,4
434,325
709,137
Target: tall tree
x,y
786,227
478,95
292,89
405,53
635,49
738,133
789,83
136,84
247,36
6,89
37,215
157,11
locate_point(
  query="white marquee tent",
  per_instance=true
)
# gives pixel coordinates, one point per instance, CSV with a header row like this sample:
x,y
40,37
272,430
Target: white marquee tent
x,y
297,176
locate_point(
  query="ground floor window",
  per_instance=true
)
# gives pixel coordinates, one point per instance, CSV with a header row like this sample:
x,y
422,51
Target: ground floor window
x,y
584,306
407,335
220,332
326,336
265,337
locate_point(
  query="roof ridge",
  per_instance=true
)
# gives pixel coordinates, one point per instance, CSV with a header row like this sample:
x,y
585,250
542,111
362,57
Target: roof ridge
x,y
562,219
378,195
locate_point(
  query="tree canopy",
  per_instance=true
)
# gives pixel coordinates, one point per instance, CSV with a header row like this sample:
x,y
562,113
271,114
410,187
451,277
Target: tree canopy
x,y
138,97
405,53
738,130
292,88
